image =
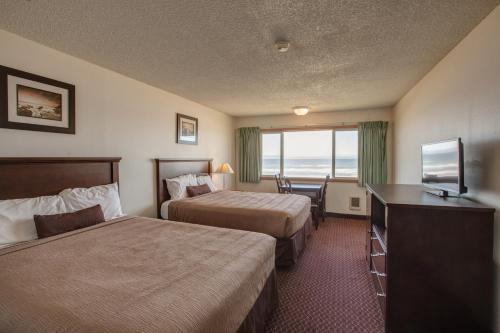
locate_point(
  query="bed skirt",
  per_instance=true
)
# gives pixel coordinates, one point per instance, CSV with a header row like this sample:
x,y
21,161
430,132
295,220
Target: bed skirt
x,y
289,249
255,321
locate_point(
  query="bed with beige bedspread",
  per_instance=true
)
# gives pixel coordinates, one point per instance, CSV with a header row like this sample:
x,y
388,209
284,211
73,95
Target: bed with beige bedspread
x,y
287,217
277,215
134,275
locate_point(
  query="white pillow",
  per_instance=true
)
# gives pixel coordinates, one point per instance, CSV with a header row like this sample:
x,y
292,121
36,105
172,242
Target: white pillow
x,y
105,195
207,180
177,186
16,217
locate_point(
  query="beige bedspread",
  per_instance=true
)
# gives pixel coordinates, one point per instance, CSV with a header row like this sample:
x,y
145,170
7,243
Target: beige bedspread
x,y
134,275
278,215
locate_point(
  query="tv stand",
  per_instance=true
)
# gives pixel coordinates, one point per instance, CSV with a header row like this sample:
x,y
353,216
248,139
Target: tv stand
x,y
431,260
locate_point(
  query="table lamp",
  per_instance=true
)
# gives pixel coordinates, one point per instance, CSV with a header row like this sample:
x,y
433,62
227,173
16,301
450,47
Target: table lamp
x,y
224,169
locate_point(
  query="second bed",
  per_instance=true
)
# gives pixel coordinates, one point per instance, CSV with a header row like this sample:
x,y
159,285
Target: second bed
x,y
284,216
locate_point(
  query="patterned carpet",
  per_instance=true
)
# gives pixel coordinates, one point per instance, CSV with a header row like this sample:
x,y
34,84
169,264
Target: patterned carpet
x,y
330,289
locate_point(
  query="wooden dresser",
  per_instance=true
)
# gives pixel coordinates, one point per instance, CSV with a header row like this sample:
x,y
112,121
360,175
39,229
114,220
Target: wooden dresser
x,y
431,260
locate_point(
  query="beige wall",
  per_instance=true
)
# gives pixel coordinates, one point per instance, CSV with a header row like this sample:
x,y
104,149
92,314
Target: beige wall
x,y
115,116
338,193
460,97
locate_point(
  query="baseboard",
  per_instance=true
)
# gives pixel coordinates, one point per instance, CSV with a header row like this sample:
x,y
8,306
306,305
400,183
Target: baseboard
x,y
347,216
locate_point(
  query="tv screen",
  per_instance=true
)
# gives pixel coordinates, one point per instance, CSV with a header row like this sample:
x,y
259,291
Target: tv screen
x,y
442,166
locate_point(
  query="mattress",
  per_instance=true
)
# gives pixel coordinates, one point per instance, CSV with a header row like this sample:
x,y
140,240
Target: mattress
x,y
134,274
277,215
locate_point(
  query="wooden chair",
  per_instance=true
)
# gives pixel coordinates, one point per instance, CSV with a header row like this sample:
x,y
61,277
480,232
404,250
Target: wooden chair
x,y
278,182
323,198
283,185
318,205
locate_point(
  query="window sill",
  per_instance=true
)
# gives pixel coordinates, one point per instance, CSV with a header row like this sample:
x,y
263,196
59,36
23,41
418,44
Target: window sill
x,y
315,180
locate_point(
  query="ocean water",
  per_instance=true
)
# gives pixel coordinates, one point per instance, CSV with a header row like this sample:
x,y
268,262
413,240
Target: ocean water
x,y
311,167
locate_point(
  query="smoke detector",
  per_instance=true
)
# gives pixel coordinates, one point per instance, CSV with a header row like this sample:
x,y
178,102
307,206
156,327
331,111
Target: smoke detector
x,y
282,45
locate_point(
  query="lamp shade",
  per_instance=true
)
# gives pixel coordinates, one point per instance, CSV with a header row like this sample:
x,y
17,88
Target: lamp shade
x,y
224,168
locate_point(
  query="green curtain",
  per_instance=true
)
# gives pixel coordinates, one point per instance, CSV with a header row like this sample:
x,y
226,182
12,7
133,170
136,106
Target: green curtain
x,y
250,156
372,153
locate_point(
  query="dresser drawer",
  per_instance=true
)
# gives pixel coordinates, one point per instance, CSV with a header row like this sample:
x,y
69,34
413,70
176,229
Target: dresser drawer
x,y
377,256
378,265
383,282
368,242
380,290
376,245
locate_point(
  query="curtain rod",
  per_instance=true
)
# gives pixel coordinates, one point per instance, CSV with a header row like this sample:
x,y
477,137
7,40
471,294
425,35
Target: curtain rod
x,y
324,125
315,126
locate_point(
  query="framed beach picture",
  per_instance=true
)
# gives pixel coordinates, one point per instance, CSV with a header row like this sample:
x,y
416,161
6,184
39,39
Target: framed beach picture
x,y
187,129
36,103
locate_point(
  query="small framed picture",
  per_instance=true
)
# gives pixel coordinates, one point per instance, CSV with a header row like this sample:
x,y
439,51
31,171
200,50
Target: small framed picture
x,y
36,103
187,129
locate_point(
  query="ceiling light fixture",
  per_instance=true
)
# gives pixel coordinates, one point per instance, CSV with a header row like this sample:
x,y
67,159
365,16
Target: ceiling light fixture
x,y
282,45
301,110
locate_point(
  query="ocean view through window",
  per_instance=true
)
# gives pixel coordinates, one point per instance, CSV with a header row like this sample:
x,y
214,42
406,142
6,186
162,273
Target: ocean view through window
x,y
307,154
346,154
271,151
311,153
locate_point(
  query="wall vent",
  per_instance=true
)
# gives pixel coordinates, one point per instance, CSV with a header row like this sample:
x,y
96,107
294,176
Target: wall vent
x,y
354,203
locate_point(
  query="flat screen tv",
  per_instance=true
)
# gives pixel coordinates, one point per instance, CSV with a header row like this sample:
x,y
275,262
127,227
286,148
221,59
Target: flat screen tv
x,y
443,167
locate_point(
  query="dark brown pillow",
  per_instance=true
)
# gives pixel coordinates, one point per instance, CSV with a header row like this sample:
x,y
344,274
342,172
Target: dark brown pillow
x,y
51,225
197,190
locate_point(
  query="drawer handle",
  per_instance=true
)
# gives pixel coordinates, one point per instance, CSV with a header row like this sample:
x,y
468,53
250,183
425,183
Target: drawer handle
x,y
378,274
377,254
380,294
373,238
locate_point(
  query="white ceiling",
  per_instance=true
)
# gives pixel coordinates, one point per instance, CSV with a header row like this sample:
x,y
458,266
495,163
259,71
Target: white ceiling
x,y
343,54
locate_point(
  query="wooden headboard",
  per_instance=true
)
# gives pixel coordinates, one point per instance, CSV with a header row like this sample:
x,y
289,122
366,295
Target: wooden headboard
x,y
170,168
28,177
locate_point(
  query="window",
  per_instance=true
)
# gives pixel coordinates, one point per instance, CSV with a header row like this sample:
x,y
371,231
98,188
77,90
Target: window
x,y
307,154
346,154
271,153
311,154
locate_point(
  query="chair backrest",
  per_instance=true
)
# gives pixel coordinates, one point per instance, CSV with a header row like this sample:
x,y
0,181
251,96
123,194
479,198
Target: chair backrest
x,y
323,193
279,183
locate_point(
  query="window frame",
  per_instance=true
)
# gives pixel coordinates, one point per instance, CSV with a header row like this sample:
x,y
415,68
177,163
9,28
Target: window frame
x,y
281,131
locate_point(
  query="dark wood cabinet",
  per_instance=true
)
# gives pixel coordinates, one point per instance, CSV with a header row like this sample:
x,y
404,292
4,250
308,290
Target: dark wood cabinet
x,y
431,260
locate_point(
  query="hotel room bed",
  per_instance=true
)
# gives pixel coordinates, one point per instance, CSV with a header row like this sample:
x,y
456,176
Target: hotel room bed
x,y
130,274
280,216
135,274
285,217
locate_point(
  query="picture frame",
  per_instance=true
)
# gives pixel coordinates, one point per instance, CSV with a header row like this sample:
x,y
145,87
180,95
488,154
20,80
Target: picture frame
x,y
187,129
35,103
